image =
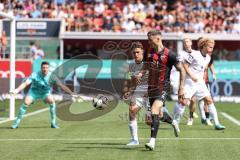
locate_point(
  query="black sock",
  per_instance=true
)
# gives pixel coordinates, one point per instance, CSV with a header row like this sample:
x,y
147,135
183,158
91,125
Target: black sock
x,y
154,125
166,118
207,114
191,114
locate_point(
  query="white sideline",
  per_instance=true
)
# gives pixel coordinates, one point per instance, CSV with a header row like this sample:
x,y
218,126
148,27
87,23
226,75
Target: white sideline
x,y
230,118
111,139
26,115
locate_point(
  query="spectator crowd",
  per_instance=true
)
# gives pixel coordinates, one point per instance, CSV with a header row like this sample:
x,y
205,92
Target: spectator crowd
x,y
189,16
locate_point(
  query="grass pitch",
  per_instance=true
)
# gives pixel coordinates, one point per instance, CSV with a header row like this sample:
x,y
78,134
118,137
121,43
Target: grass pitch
x,y
105,137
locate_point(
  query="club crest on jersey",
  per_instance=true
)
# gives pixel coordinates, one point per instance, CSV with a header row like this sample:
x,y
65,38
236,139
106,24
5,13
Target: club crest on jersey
x,y
163,57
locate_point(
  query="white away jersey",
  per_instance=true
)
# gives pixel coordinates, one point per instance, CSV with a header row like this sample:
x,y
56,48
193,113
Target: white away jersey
x,y
175,75
182,55
134,69
198,63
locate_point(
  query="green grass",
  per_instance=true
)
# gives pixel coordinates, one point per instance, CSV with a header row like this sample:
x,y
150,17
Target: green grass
x,y
87,140
4,107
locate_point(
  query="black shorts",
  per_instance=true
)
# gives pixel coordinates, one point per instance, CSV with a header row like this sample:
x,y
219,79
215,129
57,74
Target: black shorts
x,y
157,95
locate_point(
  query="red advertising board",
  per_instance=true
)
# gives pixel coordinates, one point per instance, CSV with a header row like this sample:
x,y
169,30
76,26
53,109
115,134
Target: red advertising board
x,y
23,68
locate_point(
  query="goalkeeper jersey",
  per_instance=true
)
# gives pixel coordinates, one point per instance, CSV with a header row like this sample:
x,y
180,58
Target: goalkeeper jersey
x,y
41,84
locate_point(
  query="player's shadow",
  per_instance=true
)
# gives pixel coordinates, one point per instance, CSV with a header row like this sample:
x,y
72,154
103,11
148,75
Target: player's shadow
x,y
96,145
33,127
148,128
105,147
64,150
147,150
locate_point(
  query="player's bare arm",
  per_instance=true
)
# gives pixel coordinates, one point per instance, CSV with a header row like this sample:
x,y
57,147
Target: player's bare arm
x,y
142,73
212,69
181,69
126,87
130,86
19,88
64,87
188,71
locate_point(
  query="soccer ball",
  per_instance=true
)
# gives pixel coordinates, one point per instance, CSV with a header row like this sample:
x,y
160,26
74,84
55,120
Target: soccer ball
x,y
100,102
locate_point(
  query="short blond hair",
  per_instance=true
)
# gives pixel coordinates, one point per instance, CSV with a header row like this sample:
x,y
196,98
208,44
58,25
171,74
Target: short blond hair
x,y
184,40
204,41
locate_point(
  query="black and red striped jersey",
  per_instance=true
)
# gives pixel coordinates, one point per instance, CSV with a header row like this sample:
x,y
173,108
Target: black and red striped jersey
x,y
159,66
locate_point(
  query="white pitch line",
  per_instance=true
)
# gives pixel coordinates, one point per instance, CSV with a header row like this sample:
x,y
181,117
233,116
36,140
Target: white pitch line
x,y
27,115
230,118
113,139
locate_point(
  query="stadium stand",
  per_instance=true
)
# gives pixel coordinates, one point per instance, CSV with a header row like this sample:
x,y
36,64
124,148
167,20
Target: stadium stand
x,y
189,16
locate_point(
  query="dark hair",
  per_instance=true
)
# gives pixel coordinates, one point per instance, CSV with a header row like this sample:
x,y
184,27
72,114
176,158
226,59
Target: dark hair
x,y
32,43
44,63
137,44
200,38
154,33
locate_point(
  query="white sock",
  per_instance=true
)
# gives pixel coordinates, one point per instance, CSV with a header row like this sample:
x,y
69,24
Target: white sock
x,y
176,114
181,109
178,111
152,141
133,129
201,109
213,113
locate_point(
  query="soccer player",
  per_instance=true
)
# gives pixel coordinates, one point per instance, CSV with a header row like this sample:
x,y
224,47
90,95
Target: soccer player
x,y
204,112
187,43
187,49
159,62
137,93
41,83
206,120
195,66
137,90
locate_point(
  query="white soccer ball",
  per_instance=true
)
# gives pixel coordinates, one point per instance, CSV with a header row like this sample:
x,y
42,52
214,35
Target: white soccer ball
x,y
100,102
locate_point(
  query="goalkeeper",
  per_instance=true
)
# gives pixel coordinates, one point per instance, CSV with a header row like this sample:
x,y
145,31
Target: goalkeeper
x,y
41,84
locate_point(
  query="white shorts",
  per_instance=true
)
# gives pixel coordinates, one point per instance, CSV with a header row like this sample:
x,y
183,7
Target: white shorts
x,y
139,97
143,103
174,79
175,86
198,89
